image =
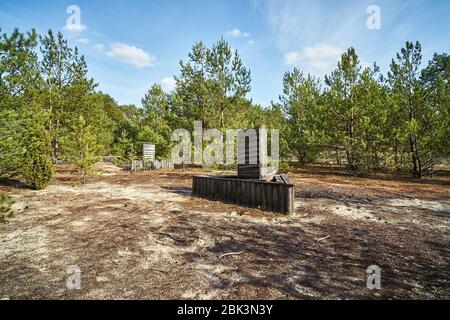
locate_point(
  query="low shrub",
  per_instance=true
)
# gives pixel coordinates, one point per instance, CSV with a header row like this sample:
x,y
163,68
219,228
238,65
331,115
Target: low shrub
x,y
5,206
37,170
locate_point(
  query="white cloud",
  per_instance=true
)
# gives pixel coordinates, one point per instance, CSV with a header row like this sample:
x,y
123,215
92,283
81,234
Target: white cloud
x,y
131,55
236,33
83,40
292,58
99,47
320,58
306,22
75,28
251,42
168,84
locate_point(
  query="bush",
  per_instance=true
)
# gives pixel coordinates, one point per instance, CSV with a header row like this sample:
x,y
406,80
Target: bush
x,y
5,206
81,147
285,166
36,166
37,170
25,148
10,148
124,149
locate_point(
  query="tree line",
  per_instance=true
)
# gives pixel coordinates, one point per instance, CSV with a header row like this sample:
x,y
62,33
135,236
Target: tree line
x,y
50,110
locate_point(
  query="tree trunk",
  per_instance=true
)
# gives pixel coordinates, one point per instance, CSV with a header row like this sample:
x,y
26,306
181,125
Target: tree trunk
x,y
415,163
222,120
396,155
419,160
350,149
338,158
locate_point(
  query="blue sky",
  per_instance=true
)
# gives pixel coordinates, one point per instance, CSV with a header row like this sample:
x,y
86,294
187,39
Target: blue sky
x,y
129,45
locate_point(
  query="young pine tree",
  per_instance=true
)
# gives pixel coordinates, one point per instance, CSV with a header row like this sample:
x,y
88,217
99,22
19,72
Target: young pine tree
x,y
124,147
415,115
301,104
5,206
82,148
66,84
27,149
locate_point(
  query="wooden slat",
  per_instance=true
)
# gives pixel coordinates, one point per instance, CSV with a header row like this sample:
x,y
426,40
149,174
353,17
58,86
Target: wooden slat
x,y
282,199
275,198
278,197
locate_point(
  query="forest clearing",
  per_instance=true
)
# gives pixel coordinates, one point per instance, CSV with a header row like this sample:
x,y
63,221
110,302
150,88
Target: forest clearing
x,y
225,150
143,236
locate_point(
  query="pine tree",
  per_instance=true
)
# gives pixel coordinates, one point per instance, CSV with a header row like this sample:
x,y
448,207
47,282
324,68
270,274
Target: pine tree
x,y
25,150
5,206
301,105
355,112
229,78
211,87
82,148
158,116
10,150
343,112
19,75
24,146
370,96
124,148
414,113
36,164
66,83
436,80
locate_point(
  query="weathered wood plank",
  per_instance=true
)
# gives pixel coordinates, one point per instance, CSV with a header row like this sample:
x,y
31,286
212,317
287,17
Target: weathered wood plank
x,y
275,199
271,196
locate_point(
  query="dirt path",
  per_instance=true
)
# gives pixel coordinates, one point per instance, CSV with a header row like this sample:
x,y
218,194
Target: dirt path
x,y
143,236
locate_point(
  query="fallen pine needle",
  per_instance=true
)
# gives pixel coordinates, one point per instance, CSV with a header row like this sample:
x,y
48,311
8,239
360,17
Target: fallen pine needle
x,y
324,238
229,254
175,238
159,270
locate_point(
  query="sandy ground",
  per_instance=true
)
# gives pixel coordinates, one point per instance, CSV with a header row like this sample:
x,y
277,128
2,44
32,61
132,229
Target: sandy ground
x,y
142,236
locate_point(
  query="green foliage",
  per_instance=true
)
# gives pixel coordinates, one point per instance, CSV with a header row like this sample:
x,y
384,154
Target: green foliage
x,y
42,100
66,86
99,111
26,149
81,147
5,206
49,109
301,105
211,87
162,142
124,148
10,149
37,170
436,81
36,166
19,80
377,122
285,166
19,73
156,125
420,100
342,107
